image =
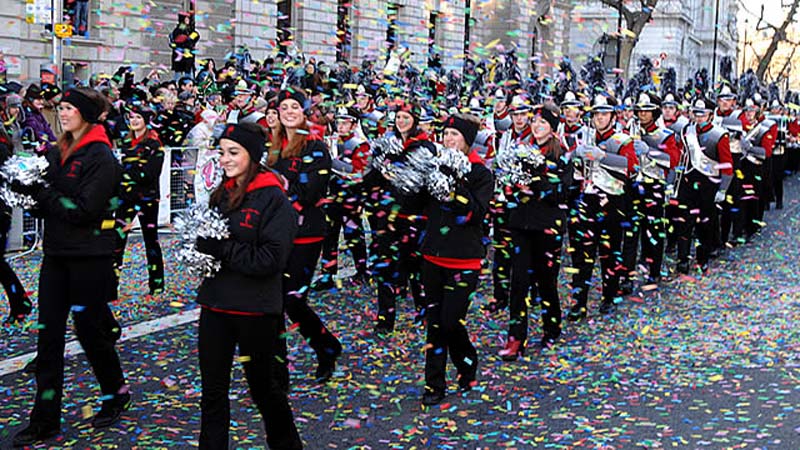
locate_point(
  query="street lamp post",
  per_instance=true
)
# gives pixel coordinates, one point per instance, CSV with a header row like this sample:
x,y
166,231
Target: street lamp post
x,y
714,55
744,47
619,32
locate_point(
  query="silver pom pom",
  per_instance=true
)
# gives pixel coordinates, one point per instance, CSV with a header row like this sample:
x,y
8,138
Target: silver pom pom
x,y
451,166
199,221
27,170
407,171
518,164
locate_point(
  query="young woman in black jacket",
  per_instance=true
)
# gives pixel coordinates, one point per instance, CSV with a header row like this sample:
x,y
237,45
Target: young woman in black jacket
x,y
142,159
537,217
397,222
301,156
20,305
242,304
452,251
77,272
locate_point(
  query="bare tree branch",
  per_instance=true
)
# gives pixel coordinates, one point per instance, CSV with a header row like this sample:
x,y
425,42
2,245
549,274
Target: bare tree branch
x,y
777,38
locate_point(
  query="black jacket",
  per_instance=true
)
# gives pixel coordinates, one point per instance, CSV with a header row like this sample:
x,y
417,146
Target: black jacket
x,y
142,160
455,229
78,207
542,205
308,175
384,201
254,257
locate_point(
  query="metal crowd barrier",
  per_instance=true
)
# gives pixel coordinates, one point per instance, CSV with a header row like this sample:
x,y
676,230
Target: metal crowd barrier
x,y
176,183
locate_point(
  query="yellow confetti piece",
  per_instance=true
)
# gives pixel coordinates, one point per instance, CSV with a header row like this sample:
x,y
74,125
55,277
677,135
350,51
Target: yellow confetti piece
x,y
86,411
244,358
107,225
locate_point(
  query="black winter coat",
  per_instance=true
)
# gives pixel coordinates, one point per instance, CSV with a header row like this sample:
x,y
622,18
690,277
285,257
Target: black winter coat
x,y
142,161
384,201
455,228
253,259
308,175
542,205
78,206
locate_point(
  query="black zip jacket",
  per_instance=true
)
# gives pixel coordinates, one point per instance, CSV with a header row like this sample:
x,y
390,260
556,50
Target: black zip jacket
x,y
308,175
142,160
78,206
455,228
254,257
542,205
385,202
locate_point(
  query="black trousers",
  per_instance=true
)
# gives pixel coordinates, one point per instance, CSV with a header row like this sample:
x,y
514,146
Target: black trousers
x,y
648,230
448,292
536,262
397,264
597,231
778,174
296,281
697,213
753,197
349,218
501,265
17,298
84,286
260,349
731,212
631,229
147,211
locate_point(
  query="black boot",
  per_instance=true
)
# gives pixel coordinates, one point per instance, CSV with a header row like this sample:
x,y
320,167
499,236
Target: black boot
x,y
432,398
495,306
35,432
327,361
578,312
112,410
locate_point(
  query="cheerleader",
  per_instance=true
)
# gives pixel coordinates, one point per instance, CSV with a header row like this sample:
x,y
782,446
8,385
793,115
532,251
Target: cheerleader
x,y
77,273
242,305
142,159
452,262
398,222
18,300
303,159
537,218
344,210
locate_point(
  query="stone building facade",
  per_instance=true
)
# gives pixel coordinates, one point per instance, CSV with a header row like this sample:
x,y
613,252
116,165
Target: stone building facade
x,y
135,32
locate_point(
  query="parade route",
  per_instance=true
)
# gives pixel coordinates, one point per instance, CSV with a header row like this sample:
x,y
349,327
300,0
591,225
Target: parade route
x,y
703,362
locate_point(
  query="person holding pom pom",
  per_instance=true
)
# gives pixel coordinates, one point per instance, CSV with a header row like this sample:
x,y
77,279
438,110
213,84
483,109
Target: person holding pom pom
x,y
77,273
452,251
242,305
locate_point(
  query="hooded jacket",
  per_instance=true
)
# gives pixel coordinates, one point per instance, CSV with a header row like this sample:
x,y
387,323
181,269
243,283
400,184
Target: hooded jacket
x,y
78,206
254,257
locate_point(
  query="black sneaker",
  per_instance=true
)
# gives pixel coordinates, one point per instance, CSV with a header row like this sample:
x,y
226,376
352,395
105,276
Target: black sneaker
x,y
327,363
432,398
683,268
112,410
35,432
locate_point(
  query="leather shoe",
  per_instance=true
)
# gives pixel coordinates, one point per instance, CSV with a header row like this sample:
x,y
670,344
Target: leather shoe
x,y
432,398
112,410
34,433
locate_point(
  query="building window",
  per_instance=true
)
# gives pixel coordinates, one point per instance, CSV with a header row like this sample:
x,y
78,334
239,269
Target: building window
x,y
432,47
284,32
392,12
343,34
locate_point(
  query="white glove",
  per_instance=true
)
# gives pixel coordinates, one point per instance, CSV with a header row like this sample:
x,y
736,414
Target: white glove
x,y
719,197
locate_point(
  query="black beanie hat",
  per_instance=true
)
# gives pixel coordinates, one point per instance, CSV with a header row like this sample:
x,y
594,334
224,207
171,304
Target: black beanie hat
x,y
294,94
142,110
549,115
50,91
467,128
252,141
89,109
33,92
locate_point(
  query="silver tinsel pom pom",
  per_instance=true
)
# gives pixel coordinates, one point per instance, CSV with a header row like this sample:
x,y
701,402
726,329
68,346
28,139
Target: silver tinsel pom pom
x,y
407,171
518,164
27,170
199,221
451,166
